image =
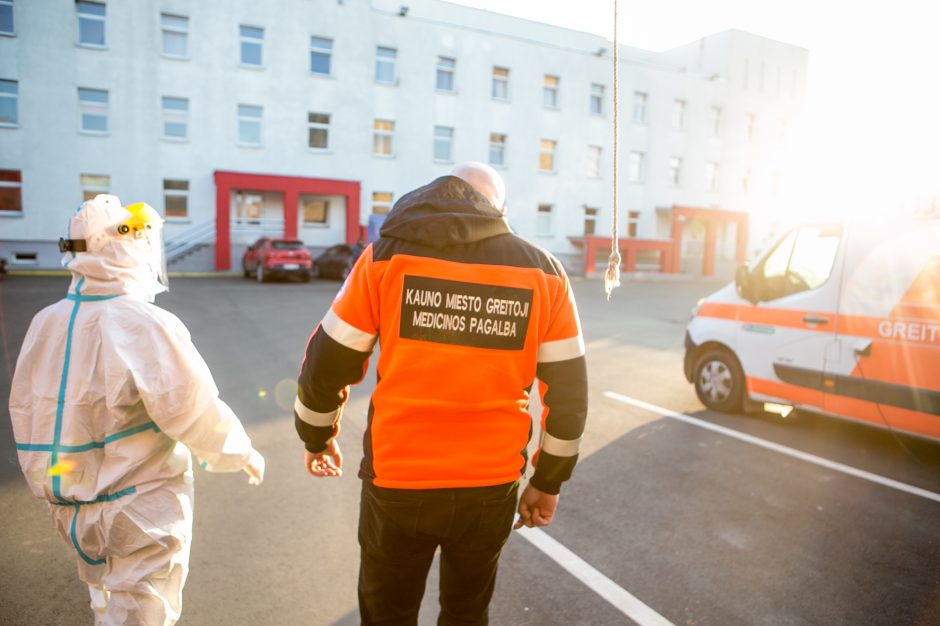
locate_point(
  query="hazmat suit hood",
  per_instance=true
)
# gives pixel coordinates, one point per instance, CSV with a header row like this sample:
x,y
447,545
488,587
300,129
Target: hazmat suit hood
x,y
447,211
114,262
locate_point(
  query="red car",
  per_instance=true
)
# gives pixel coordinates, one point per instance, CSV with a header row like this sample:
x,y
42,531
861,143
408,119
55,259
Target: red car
x,y
268,257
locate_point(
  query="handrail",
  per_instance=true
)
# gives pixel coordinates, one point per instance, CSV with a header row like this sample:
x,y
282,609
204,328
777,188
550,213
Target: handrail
x,y
187,240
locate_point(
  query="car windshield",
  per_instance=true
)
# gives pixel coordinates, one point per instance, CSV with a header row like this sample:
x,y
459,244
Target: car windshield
x,y
287,245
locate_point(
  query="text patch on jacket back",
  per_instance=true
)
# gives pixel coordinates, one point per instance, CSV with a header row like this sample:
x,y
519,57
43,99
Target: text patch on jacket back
x,y
464,314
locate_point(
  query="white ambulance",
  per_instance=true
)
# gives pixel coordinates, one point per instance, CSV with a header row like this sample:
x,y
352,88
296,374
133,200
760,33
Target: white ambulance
x,y
836,319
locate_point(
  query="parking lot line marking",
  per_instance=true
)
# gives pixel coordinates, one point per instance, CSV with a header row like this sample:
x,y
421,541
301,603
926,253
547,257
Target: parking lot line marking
x,y
620,598
776,447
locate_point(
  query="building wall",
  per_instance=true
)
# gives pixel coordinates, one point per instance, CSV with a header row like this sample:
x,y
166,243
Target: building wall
x,y
51,153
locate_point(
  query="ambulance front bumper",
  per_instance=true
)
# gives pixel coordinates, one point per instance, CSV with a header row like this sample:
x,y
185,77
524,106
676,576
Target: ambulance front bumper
x,y
689,361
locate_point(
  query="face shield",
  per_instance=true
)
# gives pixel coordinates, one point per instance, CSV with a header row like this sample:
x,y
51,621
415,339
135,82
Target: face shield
x,y
145,228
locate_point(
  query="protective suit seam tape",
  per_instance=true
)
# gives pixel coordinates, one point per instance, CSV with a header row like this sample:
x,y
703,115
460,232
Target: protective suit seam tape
x,y
60,404
78,548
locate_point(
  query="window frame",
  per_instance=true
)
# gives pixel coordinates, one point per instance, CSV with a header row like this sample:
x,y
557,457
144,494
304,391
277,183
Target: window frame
x,y
675,172
595,155
679,107
383,136
17,187
103,18
501,80
550,92
640,108
12,31
93,190
544,227
450,73
499,146
381,202
173,29
92,108
590,217
244,118
598,91
439,140
249,40
174,116
639,170
321,51
386,60
15,97
319,125
170,192
551,153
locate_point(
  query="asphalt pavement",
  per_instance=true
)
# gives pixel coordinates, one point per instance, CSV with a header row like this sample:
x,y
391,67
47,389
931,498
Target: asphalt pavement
x,y
664,520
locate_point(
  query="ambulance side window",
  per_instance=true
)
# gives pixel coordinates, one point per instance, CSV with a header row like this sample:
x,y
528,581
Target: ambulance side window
x,y
801,261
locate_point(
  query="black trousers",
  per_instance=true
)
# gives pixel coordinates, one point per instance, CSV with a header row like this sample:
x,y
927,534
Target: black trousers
x,y
399,531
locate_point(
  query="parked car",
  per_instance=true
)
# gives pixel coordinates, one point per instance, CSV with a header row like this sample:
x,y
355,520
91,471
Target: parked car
x,y
267,258
337,261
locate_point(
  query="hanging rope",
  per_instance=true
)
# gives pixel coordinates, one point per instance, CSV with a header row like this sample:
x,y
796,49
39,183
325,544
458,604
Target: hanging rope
x,y
612,275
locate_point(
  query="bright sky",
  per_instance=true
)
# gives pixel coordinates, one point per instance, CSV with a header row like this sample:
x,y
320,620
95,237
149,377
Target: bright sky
x,y
870,134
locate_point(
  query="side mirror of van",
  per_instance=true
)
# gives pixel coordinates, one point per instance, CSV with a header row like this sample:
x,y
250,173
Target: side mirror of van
x,y
744,282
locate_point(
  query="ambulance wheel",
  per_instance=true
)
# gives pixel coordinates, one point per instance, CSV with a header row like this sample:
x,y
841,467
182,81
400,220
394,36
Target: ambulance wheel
x,y
719,383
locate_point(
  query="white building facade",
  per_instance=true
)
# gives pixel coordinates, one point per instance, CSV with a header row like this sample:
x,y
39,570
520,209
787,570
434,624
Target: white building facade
x,y
304,117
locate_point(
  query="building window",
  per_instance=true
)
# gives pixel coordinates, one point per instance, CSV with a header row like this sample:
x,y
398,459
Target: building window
x,y
9,103
249,124
711,176
678,114
445,74
381,202
385,64
594,161
383,131
543,221
636,164
6,18
175,118
750,126
500,83
497,149
550,92
251,39
93,184
93,104
716,121
746,180
639,107
675,171
547,155
91,22
316,211
175,35
11,192
590,221
597,99
633,223
321,55
175,198
318,135
443,143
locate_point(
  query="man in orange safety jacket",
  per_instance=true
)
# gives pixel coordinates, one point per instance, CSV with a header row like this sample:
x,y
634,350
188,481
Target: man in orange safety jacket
x,y
468,315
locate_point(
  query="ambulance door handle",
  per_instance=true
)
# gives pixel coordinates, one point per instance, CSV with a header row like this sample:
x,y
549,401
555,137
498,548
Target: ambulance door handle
x,y
815,319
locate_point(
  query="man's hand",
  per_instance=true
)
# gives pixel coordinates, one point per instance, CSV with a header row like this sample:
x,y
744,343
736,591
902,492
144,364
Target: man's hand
x,y
255,468
327,463
536,508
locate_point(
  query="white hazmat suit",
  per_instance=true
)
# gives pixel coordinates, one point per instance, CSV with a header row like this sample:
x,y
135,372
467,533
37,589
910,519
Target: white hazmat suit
x,y
109,398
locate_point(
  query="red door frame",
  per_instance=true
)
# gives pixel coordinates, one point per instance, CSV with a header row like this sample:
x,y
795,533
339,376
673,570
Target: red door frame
x,y
291,187
711,217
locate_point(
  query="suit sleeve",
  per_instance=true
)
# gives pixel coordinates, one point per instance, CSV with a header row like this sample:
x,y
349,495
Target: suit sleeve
x,y
562,374
182,399
337,356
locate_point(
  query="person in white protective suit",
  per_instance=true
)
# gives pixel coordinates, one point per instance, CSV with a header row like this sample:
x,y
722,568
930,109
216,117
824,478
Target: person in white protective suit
x,y
109,398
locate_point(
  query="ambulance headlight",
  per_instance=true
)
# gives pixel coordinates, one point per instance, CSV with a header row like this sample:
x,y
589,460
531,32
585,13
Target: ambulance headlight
x,y
695,309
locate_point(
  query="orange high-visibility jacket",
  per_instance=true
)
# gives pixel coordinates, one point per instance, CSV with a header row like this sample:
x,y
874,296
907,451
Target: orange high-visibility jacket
x,y
467,315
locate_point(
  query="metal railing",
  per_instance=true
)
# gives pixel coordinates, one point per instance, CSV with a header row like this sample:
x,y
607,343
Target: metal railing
x,y
190,239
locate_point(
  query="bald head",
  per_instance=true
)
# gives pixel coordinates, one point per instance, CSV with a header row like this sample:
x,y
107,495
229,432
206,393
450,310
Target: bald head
x,y
484,179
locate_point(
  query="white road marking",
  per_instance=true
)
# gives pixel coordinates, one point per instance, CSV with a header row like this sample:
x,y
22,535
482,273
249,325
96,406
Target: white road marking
x,y
622,599
776,447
